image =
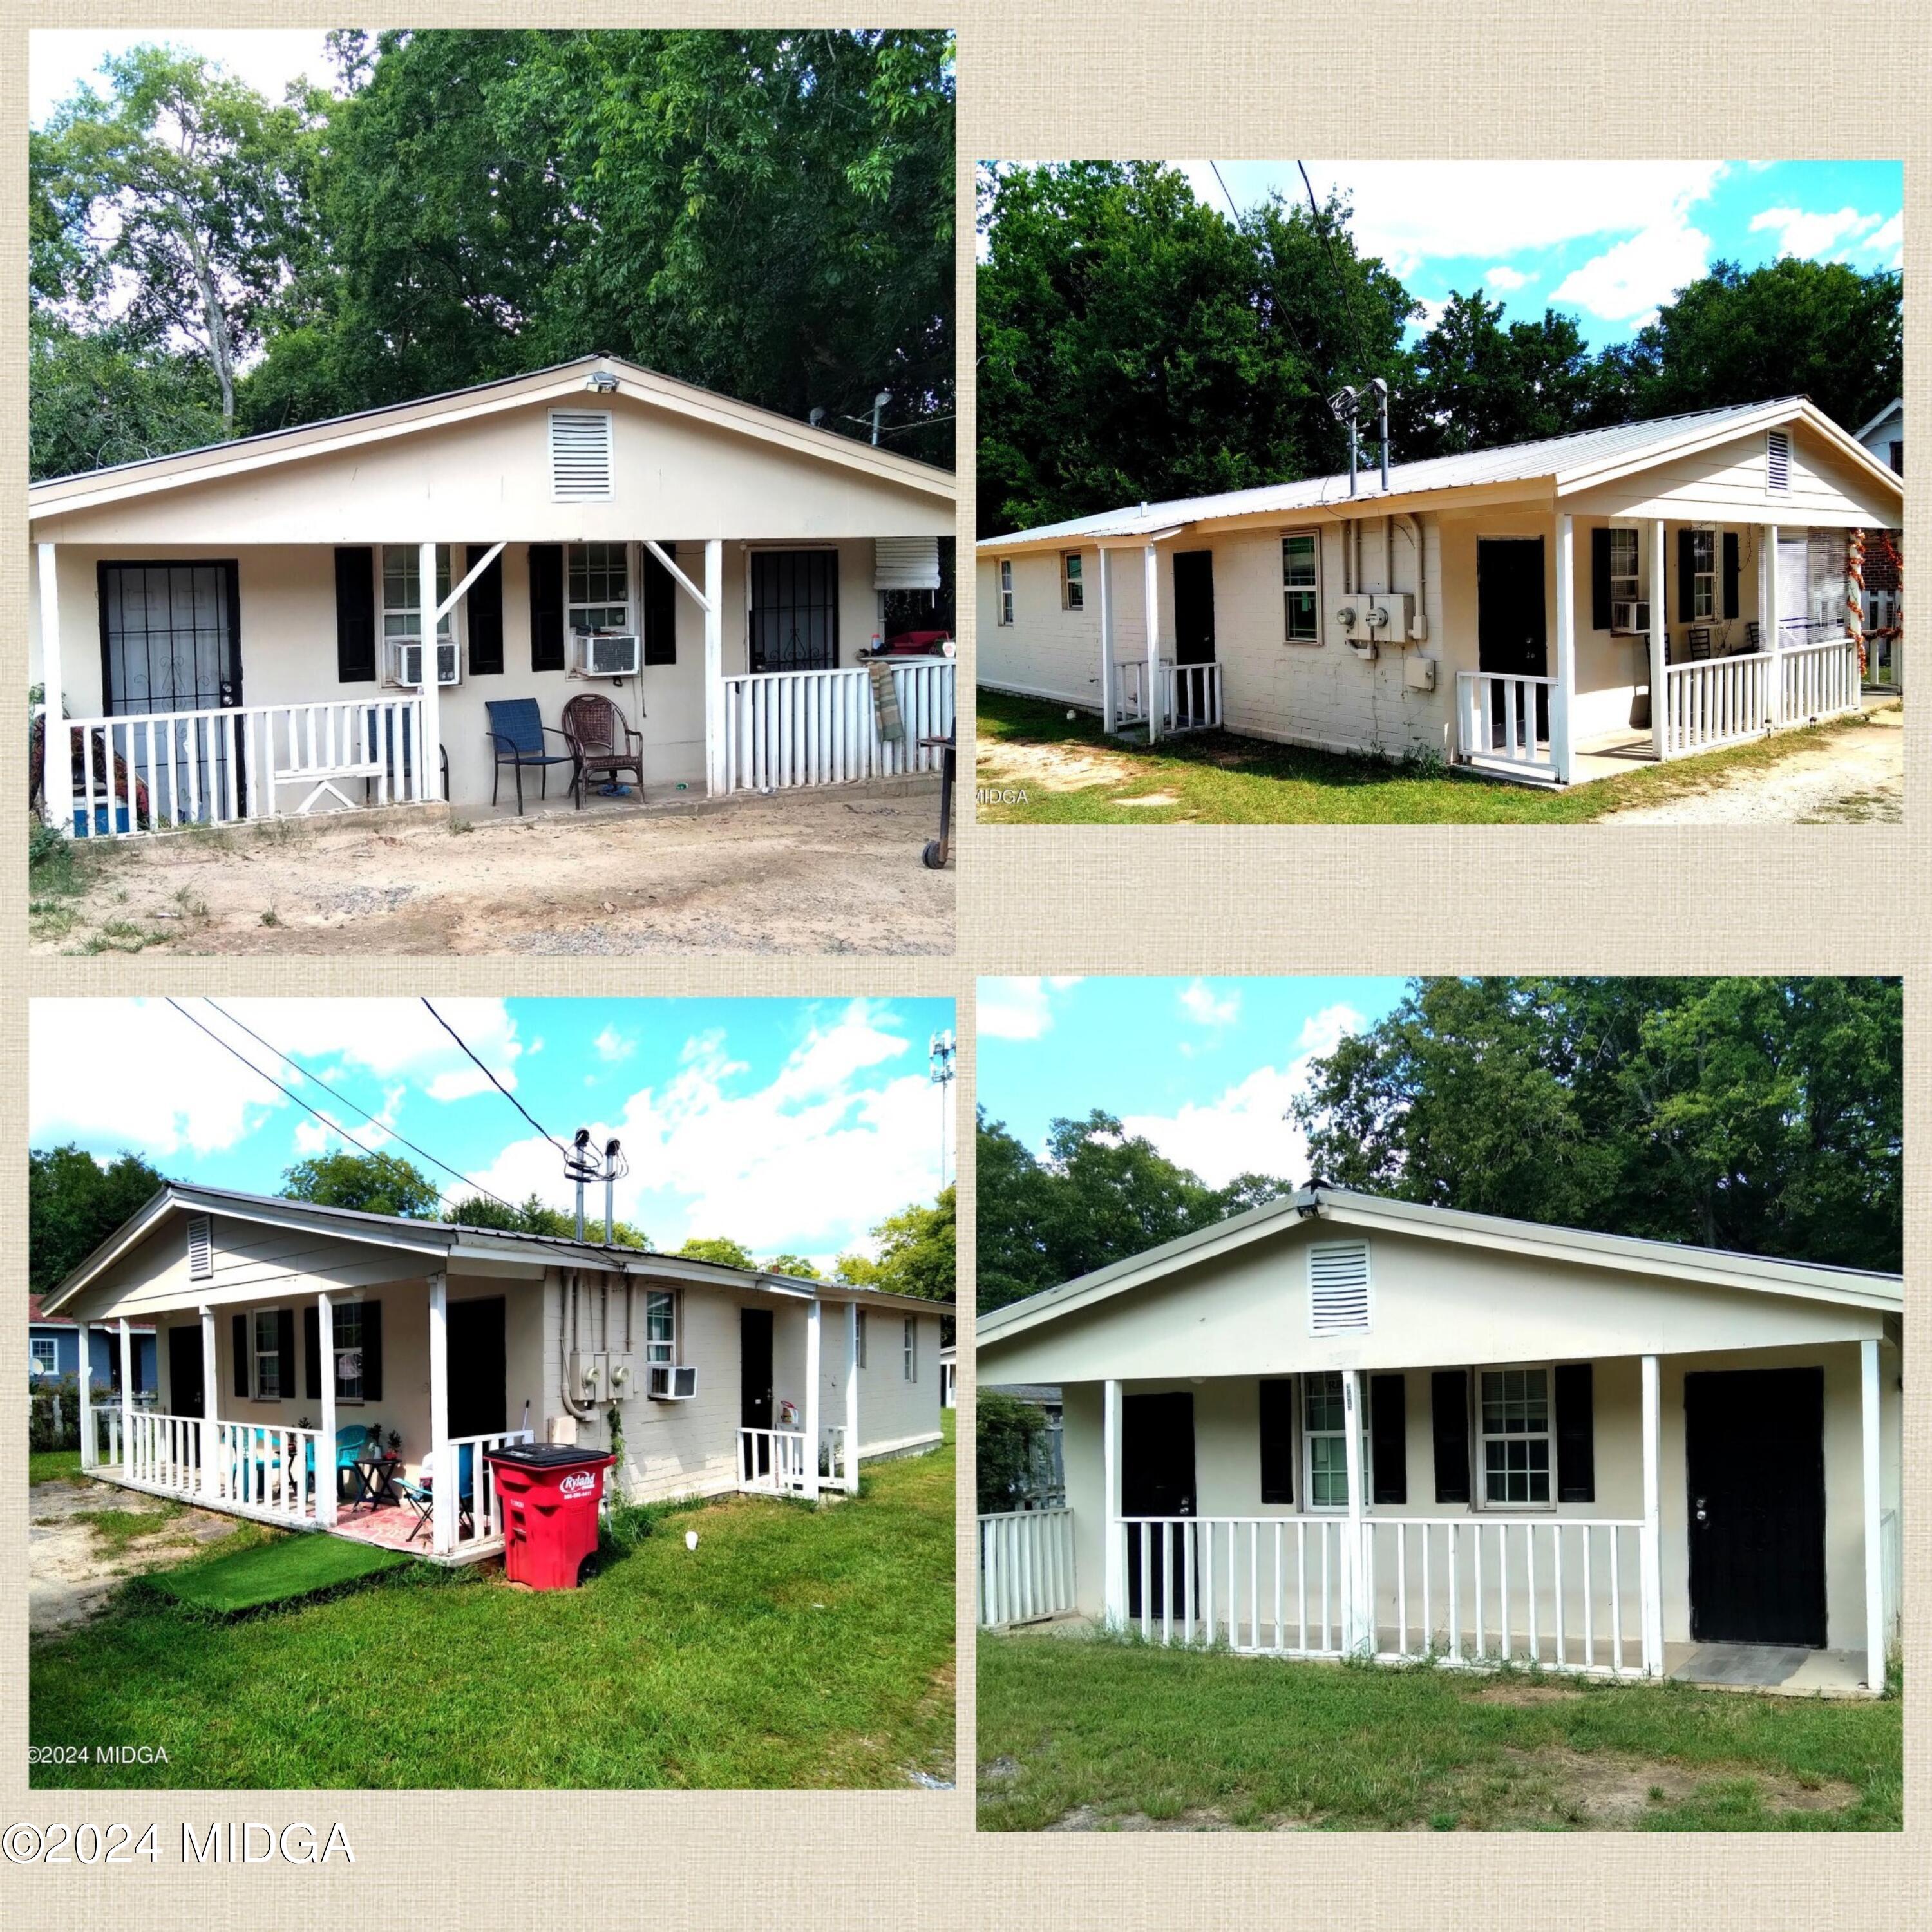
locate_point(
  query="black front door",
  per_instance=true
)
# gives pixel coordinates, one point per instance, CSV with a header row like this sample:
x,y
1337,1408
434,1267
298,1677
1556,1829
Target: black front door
x,y
1157,1479
755,1380
186,1391
1754,1457
1194,607
1512,639
478,1404
794,609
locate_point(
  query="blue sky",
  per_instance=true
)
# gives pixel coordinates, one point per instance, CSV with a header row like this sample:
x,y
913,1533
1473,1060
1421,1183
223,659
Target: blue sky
x,y
1203,1068
793,1125
1607,241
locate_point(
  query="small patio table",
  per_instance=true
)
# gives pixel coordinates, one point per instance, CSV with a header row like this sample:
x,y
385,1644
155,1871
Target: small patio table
x,y
375,1474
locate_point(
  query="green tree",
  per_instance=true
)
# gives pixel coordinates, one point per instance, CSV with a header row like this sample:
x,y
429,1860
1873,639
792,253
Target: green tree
x,y
74,1203
795,1265
533,1217
718,1249
371,1183
918,1251
1007,1437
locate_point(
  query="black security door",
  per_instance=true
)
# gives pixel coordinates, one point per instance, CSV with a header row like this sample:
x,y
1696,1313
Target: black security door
x,y
478,1402
1512,638
1156,1479
1754,1457
1194,607
794,609
754,1382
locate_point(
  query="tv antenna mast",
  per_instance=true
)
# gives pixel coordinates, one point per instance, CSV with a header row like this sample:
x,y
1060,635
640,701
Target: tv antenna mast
x,y
941,1056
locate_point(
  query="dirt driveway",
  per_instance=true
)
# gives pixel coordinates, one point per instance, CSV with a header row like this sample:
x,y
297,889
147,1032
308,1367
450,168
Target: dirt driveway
x,y
83,1538
809,871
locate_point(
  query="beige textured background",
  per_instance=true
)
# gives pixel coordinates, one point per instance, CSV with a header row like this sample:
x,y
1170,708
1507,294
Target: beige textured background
x,y
1755,79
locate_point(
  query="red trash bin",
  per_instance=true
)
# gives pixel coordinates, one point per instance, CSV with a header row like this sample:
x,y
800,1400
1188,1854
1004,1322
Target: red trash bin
x,y
549,1495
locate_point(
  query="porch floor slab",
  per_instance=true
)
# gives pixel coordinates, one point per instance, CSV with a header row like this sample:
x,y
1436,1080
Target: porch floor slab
x,y
1791,1669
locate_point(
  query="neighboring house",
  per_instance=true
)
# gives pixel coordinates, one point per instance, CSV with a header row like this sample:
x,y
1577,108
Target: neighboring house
x,y
1338,1424
242,624
1884,436
1515,610
459,1339
948,1378
53,1348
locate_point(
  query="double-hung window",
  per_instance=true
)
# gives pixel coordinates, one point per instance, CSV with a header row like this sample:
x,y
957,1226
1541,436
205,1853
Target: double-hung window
x,y
598,594
402,591
46,1355
1324,1437
1703,575
911,1348
1625,575
660,1326
268,1353
346,1319
1073,586
1301,586
1006,590
1513,1417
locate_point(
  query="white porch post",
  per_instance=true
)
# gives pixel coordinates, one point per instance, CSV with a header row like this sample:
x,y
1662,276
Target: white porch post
x,y
1773,634
324,1449
211,1433
126,1371
1108,719
714,665
448,1478
1650,1566
1150,594
89,1454
1114,1569
429,753
57,806
1358,1619
1564,698
1868,1420
812,1360
1659,647
851,1398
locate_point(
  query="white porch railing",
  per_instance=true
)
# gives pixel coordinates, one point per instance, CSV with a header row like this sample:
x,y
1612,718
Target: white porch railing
x,y
157,771
833,1462
1818,681
1504,721
269,1470
1273,1584
485,1517
1891,1556
1026,1566
812,727
1130,705
771,1461
106,1427
163,1452
1716,701
1190,697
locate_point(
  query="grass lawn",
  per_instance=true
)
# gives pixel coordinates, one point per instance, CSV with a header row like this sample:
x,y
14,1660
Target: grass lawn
x,y
53,1466
273,1572
791,1648
1098,1733
1213,778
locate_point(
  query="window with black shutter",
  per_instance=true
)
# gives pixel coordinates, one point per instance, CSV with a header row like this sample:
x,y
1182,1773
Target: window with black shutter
x,y
1277,1425
1449,1424
483,614
356,614
1576,1434
1600,579
238,1332
546,607
1730,604
1388,1435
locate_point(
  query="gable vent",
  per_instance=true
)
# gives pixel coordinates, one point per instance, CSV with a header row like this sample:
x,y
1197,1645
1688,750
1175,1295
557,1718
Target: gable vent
x,y
1776,460
580,455
200,1248
1338,1287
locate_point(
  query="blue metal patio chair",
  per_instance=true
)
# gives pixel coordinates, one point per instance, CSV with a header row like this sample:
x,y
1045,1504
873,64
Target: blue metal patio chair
x,y
516,733
421,1496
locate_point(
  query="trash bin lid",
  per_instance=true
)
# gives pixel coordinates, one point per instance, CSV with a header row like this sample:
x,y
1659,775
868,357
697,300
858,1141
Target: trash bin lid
x,y
546,1455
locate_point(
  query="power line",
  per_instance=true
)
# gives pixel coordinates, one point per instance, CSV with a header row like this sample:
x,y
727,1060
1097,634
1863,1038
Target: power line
x,y
494,1081
1216,166
1348,288
287,1061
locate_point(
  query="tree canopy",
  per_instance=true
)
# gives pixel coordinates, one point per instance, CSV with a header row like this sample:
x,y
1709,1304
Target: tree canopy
x,y
74,1202
370,1183
767,213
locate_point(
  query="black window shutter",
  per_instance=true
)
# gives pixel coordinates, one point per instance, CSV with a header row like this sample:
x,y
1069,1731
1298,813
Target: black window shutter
x,y
1388,1433
1730,574
285,1348
312,1354
1687,569
546,607
660,610
1600,579
372,1352
483,608
355,614
238,1329
1449,1419
1277,1442
1575,1435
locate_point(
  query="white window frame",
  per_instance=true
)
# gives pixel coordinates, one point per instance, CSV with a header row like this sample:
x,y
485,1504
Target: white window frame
x,y
1484,1437
1703,583
1073,580
862,1338
409,558
624,606
1291,590
43,1355
1004,580
911,1365
340,1347
660,1301
1632,577
257,1352
1305,1438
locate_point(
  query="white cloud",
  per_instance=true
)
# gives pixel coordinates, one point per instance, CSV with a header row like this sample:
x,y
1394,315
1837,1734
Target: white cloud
x,y
1505,279
1812,235
612,1045
1891,235
1627,282
1198,1003
1018,1008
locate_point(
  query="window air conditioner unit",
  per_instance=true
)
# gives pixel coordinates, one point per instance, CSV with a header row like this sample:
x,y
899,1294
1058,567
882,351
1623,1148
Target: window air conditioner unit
x,y
1631,616
672,1383
405,662
600,655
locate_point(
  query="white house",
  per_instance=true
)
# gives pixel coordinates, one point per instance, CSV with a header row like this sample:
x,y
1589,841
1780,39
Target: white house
x,y
1338,1424
1517,611
460,1339
236,632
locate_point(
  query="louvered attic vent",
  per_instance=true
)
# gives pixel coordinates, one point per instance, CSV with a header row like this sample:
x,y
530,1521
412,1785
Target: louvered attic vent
x,y
200,1248
580,455
1776,461
1338,1287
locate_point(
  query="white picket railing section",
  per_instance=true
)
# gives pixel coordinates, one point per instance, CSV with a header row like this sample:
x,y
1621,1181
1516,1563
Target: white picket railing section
x,y
106,1436
163,1452
1497,721
1891,1558
1717,701
1026,1566
486,1513
224,767
771,1461
1272,1584
813,727
1129,692
268,1469
1190,697
1818,681
833,1460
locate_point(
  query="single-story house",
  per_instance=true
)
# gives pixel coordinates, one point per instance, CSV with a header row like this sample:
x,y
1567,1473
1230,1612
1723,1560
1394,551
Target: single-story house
x,y
236,632
53,1351
1884,437
451,1341
1545,612
949,1376
1340,1425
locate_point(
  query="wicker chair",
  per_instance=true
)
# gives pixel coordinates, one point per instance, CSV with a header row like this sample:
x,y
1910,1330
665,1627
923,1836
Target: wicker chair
x,y
602,742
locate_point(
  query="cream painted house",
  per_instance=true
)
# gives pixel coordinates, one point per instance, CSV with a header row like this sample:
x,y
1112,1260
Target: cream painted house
x,y
461,1339
1516,610
235,632
1337,1424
